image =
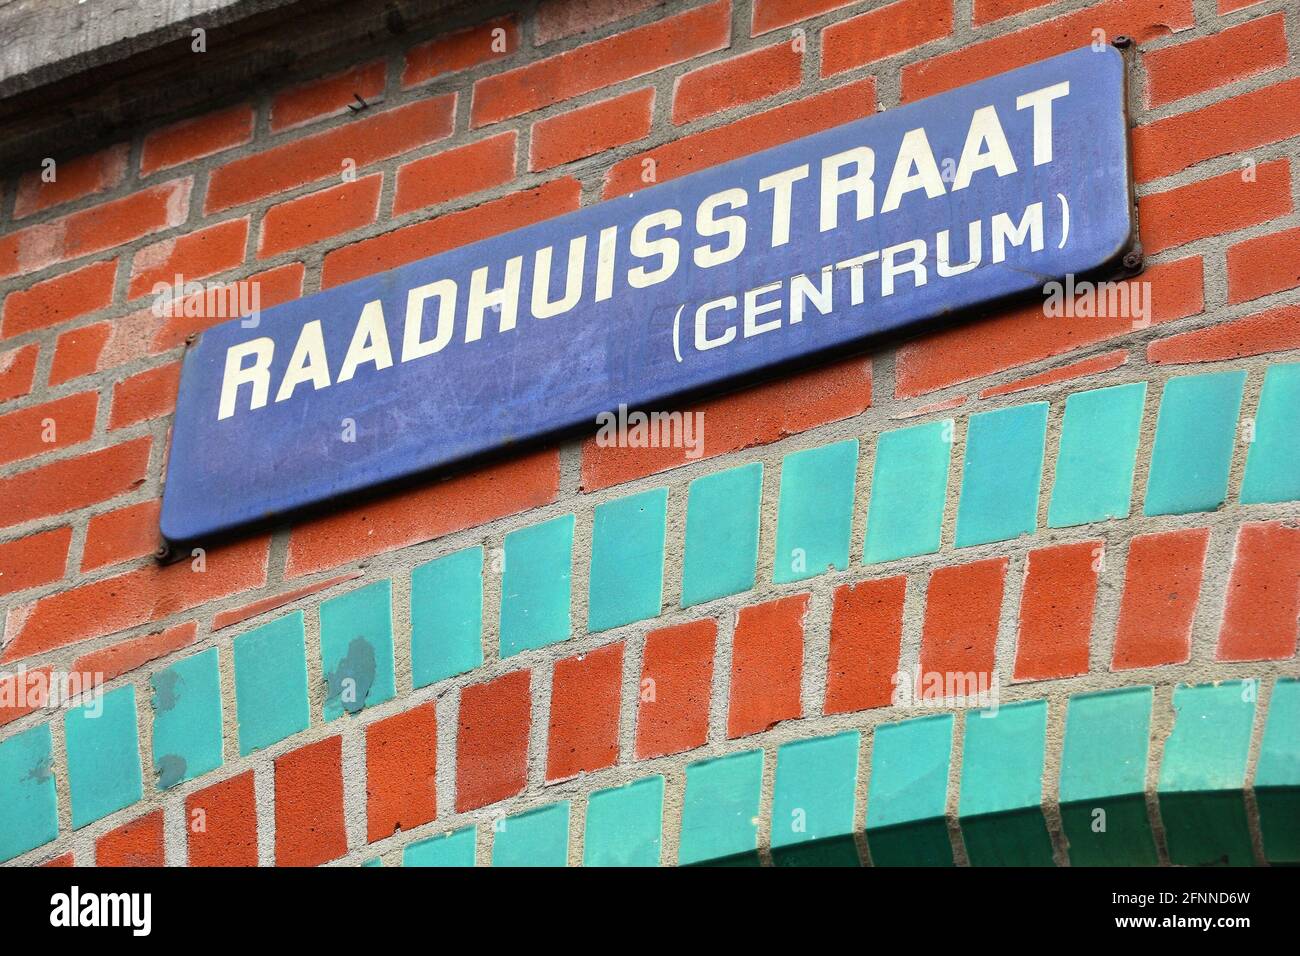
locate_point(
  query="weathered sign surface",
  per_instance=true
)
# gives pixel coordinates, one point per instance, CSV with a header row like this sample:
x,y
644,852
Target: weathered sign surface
x,y
815,246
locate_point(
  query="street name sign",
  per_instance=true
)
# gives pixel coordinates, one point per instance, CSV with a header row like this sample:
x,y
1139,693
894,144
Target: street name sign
x,y
812,248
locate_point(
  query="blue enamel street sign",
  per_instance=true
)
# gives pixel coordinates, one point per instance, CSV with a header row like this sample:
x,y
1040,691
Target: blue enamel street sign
x,y
878,225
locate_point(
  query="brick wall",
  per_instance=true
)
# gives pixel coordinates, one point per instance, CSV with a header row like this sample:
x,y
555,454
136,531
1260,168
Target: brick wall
x,y
619,655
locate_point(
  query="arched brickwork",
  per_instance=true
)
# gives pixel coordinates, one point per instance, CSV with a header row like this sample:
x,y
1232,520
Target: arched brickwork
x,y
583,653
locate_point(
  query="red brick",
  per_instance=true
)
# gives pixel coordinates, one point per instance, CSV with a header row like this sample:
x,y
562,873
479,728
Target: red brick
x,y
451,231
60,299
92,230
61,860
1277,330
756,416
492,740
1227,6
1236,53
557,19
1056,611
423,513
1162,581
766,665
328,97
221,821
104,345
17,371
1214,206
781,124
866,635
148,593
35,560
972,350
591,129
73,483
38,429
150,394
401,778
1262,266
457,172
112,662
366,140
1105,362
273,287
1234,125
1263,603
620,57
195,138
986,11
309,828
585,692
73,179
771,14
461,51
115,536
138,843
23,693
248,611
1142,20
902,25
77,352
960,632
193,256
742,79
320,215
675,689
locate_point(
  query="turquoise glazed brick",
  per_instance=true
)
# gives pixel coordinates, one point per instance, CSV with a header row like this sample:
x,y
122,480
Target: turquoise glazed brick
x,y
1002,786
627,560
815,512
271,683
909,485
1001,473
720,811
186,719
722,516
535,586
1277,778
356,649
1099,443
908,793
1273,462
812,806
624,824
1103,779
103,756
1193,447
445,849
1203,773
534,838
373,861
447,617
29,810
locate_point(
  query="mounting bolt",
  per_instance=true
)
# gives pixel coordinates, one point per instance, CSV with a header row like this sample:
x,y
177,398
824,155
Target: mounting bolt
x,y
1122,42
162,552
1133,259
191,338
